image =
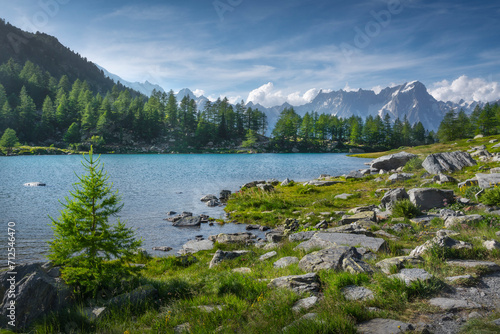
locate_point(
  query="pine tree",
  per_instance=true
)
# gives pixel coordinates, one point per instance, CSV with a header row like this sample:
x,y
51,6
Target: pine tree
x,y
92,251
9,139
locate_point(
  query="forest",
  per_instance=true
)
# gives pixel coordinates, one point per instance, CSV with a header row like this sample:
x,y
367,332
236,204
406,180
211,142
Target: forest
x,y
44,110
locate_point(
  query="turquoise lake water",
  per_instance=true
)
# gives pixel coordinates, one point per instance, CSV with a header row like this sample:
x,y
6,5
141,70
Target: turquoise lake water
x,y
150,186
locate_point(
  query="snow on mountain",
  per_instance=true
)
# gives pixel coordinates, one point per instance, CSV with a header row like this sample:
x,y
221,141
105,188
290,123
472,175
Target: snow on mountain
x,y
145,88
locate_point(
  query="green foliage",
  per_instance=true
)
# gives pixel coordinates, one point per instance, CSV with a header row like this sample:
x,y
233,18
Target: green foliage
x,y
413,165
92,251
307,190
9,139
470,192
405,209
491,196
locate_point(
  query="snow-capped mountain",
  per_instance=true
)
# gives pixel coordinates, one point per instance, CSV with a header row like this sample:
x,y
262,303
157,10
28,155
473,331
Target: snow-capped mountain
x,y
145,88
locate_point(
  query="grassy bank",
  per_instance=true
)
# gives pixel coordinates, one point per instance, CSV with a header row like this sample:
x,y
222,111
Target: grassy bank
x,y
226,299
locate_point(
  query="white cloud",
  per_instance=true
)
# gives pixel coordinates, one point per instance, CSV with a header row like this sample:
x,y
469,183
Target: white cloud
x,y
349,89
267,96
468,89
198,92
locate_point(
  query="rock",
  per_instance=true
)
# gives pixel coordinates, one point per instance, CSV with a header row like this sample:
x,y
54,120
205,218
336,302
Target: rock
x,y
495,170
449,304
400,227
305,304
37,293
209,309
330,258
326,240
383,326
275,236
252,227
194,246
224,195
398,262
94,313
318,183
366,215
496,322
162,248
491,245
392,196
311,317
362,209
136,297
233,238
182,328
171,213
454,221
353,292
399,177
355,174
321,225
268,256
479,136
356,266
393,161
285,262
411,275
188,221
252,184
488,180
243,270
447,162
265,187
34,184
301,236
286,182
442,179
491,266
445,213
212,203
428,198
353,228
298,283
469,183
220,256
207,198
440,241
344,196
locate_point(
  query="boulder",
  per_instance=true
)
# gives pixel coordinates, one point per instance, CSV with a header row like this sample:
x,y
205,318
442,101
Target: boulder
x,y
275,236
243,270
365,215
491,245
327,240
355,174
233,238
220,256
207,198
344,196
38,291
286,182
411,275
285,262
319,183
459,278
491,266
298,283
428,198
392,196
330,258
353,228
212,203
442,179
268,256
301,236
265,187
447,162
252,184
162,248
393,161
384,326
188,221
449,304
354,292
488,180
454,221
398,262
399,177
194,246
440,241
356,266
305,304
224,195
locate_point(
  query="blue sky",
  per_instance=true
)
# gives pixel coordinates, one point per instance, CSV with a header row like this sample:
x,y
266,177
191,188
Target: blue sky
x,y
276,51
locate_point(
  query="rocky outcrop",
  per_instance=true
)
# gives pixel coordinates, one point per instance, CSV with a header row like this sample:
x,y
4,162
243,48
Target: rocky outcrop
x,y
429,198
411,275
353,292
393,161
488,180
452,221
398,262
38,291
384,326
220,256
233,238
328,240
447,162
298,283
285,262
330,258
392,196
192,221
194,246
442,242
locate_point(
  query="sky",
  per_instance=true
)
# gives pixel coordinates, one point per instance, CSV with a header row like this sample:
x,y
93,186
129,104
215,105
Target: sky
x,y
271,52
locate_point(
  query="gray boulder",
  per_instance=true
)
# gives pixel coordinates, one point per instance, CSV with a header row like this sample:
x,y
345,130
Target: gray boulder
x,y
268,256
393,161
355,174
233,238
266,187
384,326
220,256
447,162
285,262
286,182
319,183
207,198
392,196
327,240
194,246
354,292
212,203
488,180
356,266
411,275
428,198
38,291
298,283
454,221
398,262
301,236
189,221
330,258
442,242
224,195
449,304
305,304
399,177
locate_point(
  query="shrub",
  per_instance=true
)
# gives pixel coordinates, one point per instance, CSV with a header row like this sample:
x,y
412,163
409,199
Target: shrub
x,y
413,165
491,196
406,209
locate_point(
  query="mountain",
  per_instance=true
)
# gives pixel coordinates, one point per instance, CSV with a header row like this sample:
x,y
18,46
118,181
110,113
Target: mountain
x,y
51,56
410,99
145,87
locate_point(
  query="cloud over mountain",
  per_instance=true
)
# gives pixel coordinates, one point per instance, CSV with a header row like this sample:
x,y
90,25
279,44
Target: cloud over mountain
x,y
467,89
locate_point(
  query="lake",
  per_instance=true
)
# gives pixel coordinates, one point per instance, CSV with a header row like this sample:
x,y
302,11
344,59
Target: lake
x,y
150,186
